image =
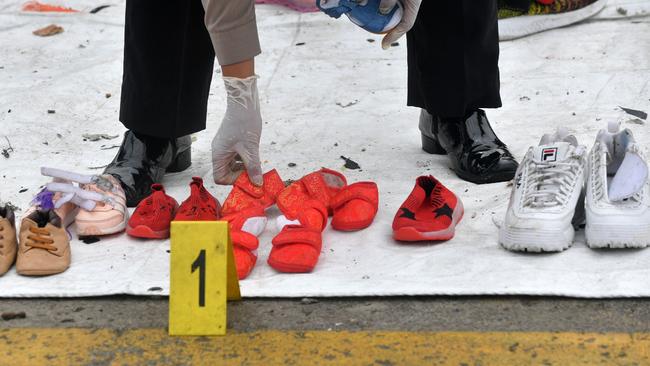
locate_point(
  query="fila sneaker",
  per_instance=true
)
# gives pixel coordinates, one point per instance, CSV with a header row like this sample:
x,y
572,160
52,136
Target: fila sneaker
x,y
618,198
546,191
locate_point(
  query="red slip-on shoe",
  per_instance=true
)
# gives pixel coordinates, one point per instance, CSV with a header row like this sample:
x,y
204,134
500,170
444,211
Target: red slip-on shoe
x,y
245,227
245,194
355,206
153,215
430,213
200,205
296,248
322,186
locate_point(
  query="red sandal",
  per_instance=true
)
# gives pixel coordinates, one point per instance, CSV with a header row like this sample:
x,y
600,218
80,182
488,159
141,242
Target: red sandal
x,y
245,227
296,248
321,185
245,194
355,206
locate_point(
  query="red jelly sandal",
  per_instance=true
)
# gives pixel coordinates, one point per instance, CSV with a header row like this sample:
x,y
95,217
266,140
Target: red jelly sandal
x,y
245,194
355,206
245,227
296,248
430,213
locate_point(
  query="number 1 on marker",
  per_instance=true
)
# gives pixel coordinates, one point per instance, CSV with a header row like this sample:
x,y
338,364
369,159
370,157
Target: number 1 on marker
x,y
200,264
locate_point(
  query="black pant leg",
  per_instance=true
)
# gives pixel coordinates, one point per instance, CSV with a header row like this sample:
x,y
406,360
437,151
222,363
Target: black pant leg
x,y
168,64
453,54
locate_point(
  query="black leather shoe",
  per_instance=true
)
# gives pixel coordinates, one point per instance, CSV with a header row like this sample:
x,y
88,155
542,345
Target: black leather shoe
x,y
144,160
477,155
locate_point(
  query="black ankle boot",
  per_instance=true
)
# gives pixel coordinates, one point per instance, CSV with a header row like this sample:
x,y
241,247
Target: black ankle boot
x,y
477,155
144,160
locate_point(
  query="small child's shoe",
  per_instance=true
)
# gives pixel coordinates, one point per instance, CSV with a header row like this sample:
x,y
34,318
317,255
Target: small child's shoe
x,y
200,205
153,216
430,213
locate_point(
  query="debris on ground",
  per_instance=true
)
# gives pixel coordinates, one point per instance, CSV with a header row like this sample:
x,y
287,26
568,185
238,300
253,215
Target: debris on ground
x,y
635,112
292,165
350,104
524,98
104,147
288,182
50,30
97,167
51,111
12,207
9,149
350,164
108,95
98,136
370,40
98,9
394,44
89,239
308,301
636,121
23,190
300,44
11,316
621,11
154,289
46,8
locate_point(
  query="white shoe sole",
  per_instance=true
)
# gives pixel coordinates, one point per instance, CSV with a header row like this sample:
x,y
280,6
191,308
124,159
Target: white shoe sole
x,y
525,25
538,241
600,236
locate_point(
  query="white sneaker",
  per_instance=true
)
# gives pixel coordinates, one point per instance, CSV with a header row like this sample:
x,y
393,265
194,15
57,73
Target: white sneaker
x,y
546,191
617,201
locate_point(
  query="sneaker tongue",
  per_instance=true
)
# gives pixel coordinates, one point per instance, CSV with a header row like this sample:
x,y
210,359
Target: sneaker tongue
x,y
629,179
557,151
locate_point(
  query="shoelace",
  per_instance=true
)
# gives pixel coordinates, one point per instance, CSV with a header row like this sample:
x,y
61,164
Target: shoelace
x,y
550,183
1,238
41,239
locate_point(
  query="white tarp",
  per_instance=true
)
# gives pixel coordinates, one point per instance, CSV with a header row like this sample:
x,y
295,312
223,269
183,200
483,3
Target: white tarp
x,y
337,94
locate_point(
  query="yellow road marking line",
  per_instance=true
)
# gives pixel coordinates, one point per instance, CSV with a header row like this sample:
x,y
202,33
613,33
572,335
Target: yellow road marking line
x,y
60,346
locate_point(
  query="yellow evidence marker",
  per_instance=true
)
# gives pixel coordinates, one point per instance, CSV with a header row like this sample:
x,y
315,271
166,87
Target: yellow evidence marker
x,y
202,277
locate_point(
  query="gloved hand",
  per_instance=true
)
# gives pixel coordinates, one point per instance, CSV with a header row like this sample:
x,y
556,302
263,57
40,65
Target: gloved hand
x,y
239,134
411,8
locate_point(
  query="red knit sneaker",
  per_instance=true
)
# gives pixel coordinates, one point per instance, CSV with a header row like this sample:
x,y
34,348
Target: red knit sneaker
x,y
430,213
152,217
200,206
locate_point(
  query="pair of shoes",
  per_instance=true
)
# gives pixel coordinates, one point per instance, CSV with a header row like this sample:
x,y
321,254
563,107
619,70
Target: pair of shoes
x,y
100,199
143,161
476,153
520,18
306,205
153,216
430,213
547,203
364,14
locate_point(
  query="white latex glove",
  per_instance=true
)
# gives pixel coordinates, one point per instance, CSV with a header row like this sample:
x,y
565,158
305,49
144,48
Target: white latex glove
x,y
411,8
239,134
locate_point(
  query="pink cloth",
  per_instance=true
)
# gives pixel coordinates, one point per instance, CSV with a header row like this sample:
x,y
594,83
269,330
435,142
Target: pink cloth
x,y
303,6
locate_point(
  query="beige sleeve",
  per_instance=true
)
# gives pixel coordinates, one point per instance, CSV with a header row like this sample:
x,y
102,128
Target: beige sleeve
x,y
233,29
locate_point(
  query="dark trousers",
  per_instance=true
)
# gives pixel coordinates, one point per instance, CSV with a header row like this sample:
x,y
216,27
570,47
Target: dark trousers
x,y
168,64
453,55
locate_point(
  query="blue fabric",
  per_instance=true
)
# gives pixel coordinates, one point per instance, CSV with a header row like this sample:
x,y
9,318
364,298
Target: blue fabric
x,y
366,16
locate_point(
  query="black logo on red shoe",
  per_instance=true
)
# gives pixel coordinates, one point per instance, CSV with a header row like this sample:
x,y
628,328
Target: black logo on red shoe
x,y
408,214
549,154
445,210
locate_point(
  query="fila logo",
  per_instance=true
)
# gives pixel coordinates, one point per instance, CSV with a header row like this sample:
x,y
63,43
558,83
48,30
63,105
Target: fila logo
x,y
549,154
